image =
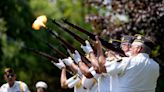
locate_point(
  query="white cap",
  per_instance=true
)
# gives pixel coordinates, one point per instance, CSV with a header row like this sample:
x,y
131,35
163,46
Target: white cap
x,y
41,84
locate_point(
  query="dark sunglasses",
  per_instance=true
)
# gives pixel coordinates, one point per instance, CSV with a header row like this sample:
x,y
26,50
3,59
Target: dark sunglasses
x,y
9,75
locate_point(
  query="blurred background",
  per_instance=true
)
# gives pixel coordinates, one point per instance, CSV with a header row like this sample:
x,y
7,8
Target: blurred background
x,y
107,18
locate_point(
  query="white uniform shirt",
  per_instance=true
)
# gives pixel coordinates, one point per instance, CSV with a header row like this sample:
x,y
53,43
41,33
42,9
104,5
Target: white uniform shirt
x,y
114,82
79,88
15,88
104,83
140,74
90,84
94,88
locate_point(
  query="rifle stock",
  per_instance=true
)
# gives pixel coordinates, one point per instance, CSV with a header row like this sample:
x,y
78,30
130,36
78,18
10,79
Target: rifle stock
x,y
92,36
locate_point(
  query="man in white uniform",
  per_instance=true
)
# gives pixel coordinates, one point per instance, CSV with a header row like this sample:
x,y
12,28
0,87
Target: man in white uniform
x,y
12,85
102,79
126,42
78,81
139,73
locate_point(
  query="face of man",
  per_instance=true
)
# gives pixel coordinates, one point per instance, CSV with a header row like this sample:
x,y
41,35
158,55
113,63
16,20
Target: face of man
x,y
125,47
10,78
135,49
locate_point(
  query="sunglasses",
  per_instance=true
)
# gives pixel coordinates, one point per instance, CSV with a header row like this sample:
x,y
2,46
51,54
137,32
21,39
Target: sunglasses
x,y
9,75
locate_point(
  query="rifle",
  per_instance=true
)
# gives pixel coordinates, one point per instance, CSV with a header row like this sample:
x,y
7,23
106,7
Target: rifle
x,y
92,36
78,38
67,45
56,50
40,23
82,41
51,58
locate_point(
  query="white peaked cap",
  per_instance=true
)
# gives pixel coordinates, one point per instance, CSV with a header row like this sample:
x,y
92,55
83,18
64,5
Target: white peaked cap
x,y
41,84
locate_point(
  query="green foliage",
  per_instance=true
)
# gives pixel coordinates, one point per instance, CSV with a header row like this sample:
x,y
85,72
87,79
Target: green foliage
x,y
16,18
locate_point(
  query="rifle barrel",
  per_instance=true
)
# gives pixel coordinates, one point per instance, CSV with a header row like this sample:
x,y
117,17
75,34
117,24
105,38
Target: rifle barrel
x,y
57,51
105,43
82,41
42,54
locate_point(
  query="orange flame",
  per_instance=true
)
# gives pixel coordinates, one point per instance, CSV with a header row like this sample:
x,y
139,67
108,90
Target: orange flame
x,y
39,22
42,18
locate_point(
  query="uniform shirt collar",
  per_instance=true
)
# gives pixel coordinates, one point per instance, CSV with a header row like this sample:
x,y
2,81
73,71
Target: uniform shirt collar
x,y
12,86
144,54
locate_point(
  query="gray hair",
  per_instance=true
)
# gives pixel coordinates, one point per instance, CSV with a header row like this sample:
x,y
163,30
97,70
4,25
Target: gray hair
x,y
145,49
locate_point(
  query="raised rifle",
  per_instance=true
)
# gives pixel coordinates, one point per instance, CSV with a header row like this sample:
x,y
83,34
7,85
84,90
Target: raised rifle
x,y
105,43
75,36
69,46
56,51
51,58
82,41
40,23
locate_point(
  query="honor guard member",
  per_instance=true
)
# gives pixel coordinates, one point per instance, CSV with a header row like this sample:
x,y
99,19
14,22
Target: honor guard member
x,y
90,84
12,85
85,84
103,80
126,42
41,86
138,73
74,81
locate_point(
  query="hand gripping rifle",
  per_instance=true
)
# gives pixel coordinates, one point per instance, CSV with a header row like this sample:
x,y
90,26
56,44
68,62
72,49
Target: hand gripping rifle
x,y
92,36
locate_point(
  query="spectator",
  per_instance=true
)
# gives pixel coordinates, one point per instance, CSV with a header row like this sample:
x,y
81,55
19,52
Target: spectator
x,y
12,85
41,86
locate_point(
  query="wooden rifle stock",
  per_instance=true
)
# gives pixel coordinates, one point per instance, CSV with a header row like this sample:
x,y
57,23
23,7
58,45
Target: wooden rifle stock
x,y
42,54
69,46
92,36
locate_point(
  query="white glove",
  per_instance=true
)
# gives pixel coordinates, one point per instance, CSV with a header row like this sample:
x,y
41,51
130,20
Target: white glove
x,y
77,57
87,49
73,81
68,61
60,65
79,73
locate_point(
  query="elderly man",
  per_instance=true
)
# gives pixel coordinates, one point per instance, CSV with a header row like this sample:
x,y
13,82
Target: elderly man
x,y
138,73
12,85
126,42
